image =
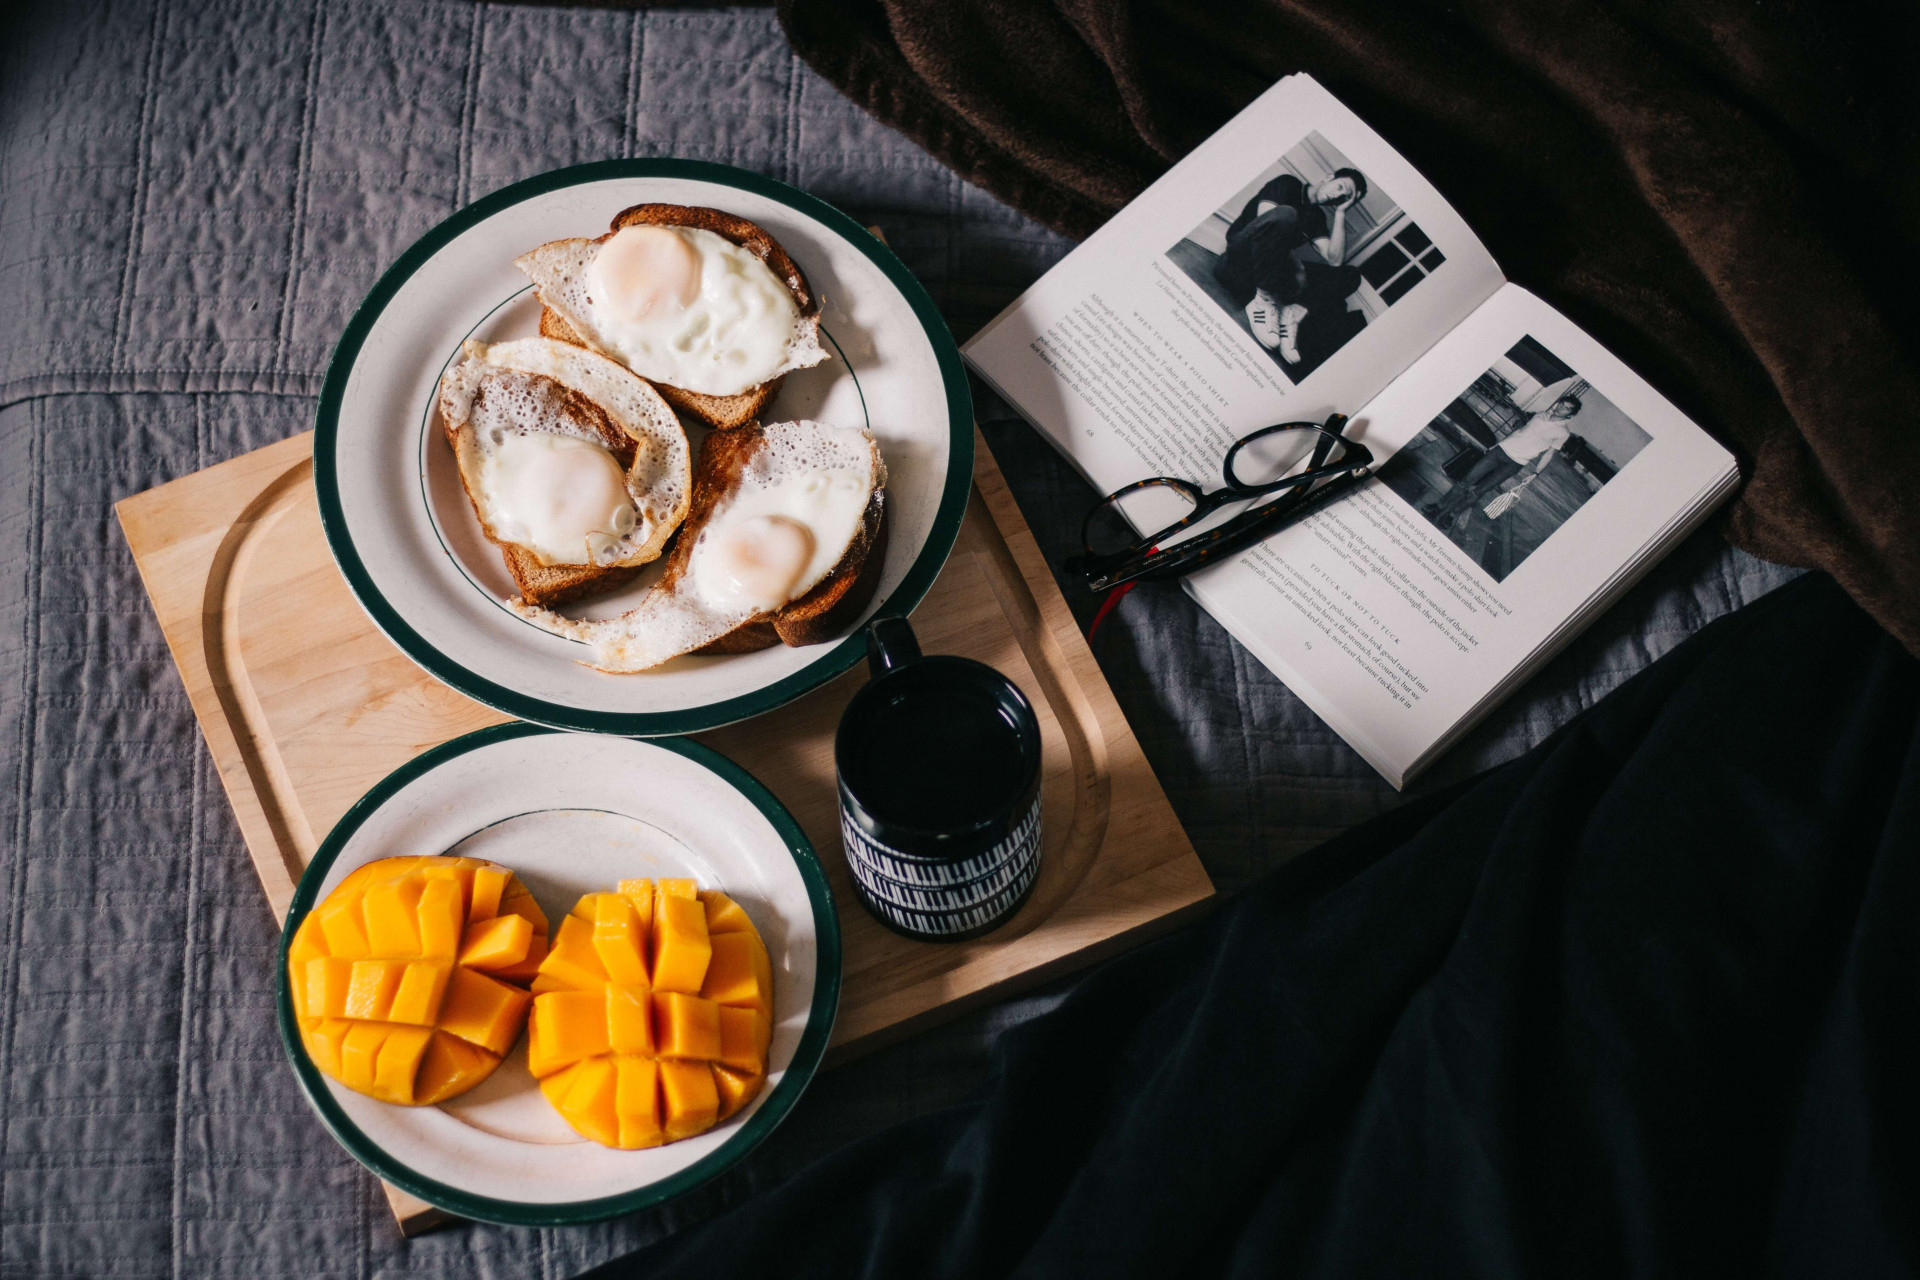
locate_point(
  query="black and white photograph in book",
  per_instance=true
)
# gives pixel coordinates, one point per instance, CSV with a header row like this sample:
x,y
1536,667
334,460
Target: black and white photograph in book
x,y
1510,460
1306,255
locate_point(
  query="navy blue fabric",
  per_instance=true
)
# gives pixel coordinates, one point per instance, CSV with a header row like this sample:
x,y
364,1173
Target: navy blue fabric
x,y
1641,1002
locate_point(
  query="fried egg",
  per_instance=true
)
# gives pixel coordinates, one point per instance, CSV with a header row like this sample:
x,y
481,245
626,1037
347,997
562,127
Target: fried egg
x,y
677,305
564,453
785,519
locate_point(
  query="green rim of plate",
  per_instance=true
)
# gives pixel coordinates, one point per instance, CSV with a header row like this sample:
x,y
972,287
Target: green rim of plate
x,y
913,587
799,1072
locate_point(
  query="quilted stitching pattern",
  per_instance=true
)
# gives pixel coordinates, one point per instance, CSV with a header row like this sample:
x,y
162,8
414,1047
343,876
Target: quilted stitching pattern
x,y
193,196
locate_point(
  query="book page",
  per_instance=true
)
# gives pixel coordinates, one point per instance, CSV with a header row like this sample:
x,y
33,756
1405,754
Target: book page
x,y
1290,267
1525,474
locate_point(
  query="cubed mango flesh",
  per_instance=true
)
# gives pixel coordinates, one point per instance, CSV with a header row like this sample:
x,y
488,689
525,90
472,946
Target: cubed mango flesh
x,y
360,1053
391,913
629,1021
422,989
572,960
745,1035
724,915
327,979
685,1036
450,1067
689,1101
636,1102
685,1026
385,1001
564,1027
496,944
619,939
640,894
739,972
489,883
483,1010
441,916
679,943
370,988
399,1062
736,1089
525,970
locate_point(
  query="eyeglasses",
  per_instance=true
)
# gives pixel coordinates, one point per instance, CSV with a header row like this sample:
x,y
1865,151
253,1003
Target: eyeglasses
x,y
1115,555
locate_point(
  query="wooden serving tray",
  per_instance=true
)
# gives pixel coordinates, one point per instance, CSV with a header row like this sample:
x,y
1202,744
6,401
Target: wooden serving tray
x,y
305,705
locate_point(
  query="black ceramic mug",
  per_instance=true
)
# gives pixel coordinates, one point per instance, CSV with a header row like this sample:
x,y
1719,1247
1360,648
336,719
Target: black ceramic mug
x,y
938,761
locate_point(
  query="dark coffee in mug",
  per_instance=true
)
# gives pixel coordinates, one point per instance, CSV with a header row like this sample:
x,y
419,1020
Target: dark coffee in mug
x,y
939,771
937,754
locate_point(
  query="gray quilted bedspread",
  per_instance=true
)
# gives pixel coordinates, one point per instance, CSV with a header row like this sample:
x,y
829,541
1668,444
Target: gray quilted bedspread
x,y
193,196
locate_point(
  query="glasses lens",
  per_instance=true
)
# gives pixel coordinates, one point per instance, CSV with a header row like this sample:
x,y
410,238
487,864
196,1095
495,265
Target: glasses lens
x,y
1276,453
1119,521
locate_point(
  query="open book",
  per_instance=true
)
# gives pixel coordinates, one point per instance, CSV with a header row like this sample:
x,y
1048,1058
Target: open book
x,y
1295,266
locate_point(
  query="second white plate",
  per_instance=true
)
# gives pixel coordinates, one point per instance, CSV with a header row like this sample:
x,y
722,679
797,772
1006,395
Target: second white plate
x,y
573,814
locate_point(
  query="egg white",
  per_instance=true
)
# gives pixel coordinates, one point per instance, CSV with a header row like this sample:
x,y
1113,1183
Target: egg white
x,y
819,475
659,483
743,329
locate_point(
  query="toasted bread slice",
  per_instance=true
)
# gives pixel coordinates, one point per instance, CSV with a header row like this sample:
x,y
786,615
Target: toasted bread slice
x,y
564,390
822,613
675,617
552,584
563,317
722,413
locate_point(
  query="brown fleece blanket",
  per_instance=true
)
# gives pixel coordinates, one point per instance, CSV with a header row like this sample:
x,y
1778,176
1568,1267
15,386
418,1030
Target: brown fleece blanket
x,y
1724,192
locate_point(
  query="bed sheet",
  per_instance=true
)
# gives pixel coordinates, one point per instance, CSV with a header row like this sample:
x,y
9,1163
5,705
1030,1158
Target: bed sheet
x,y
193,197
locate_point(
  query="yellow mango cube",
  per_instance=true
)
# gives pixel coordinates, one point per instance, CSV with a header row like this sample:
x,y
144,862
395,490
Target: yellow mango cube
x,y
745,1035
736,1089
307,944
517,901
690,1102
393,928
636,1102
360,1054
724,915
686,1026
739,972
524,970
327,980
342,927
497,943
440,917
676,888
680,946
564,1027
589,1101
483,1011
370,987
489,883
572,959
449,1068
640,894
416,1001
619,939
324,1040
629,1020
398,1062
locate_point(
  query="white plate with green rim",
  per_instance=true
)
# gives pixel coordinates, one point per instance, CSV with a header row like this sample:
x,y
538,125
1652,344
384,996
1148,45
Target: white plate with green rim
x,y
572,814
406,540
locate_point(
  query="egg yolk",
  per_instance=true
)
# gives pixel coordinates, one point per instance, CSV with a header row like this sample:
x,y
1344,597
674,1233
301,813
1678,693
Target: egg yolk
x,y
644,271
563,497
759,560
